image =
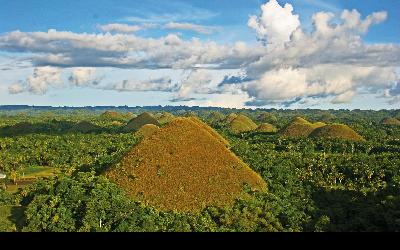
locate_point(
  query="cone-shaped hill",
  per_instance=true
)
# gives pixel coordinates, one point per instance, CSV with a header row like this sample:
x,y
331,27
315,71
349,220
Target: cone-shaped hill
x,y
165,118
229,118
266,128
391,121
300,127
242,124
147,130
136,123
116,116
85,127
339,131
112,115
184,167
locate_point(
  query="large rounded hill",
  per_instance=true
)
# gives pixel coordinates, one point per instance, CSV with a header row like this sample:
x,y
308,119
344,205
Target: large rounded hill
x,y
299,127
136,123
336,131
241,124
391,121
184,166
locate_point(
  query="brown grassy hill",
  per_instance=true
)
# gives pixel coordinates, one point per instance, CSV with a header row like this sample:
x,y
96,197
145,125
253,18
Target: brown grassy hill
x,y
267,117
209,130
136,123
339,131
391,121
116,116
266,128
183,167
242,124
165,118
112,115
130,115
300,127
229,118
85,127
147,130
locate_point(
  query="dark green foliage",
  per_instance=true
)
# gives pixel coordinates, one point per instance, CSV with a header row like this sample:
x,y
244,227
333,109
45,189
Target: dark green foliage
x,y
86,202
314,184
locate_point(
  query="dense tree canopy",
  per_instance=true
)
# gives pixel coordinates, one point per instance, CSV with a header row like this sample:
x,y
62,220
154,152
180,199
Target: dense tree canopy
x,y
314,184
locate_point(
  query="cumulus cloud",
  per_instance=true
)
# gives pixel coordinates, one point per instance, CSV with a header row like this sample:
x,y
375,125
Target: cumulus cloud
x,y
119,28
39,82
164,84
341,81
392,94
289,65
16,88
191,27
198,81
68,49
83,77
276,24
332,60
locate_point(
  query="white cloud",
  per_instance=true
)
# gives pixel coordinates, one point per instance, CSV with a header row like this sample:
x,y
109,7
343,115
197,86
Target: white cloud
x,y
83,76
42,78
332,60
197,81
191,27
222,100
120,28
68,49
276,24
340,81
164,84
16,88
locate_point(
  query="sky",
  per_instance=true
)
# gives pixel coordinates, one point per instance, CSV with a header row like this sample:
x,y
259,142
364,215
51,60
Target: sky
x,y
243,53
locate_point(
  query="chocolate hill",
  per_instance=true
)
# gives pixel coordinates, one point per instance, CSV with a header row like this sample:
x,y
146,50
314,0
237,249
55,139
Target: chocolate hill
x,y
300,127
391,121
85,127
136,123
339,131
229,118
242,124
266,128
147,130
184,167
116,116
165,118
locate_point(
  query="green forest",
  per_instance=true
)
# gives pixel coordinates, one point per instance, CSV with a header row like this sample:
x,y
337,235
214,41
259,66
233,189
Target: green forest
x,y
324,170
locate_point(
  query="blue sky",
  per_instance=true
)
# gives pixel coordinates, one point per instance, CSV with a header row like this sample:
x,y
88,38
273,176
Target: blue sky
x,y
182,50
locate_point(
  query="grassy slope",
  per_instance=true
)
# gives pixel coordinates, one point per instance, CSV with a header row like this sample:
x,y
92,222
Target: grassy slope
x,y
183,167
339,131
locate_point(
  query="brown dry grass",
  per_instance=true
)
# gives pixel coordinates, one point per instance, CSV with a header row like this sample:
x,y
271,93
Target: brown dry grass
x,y
391,121
85,127
184,167
116,116
300,127
136,123
339,131
242,124
165,118
147,130
229,118
266,128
